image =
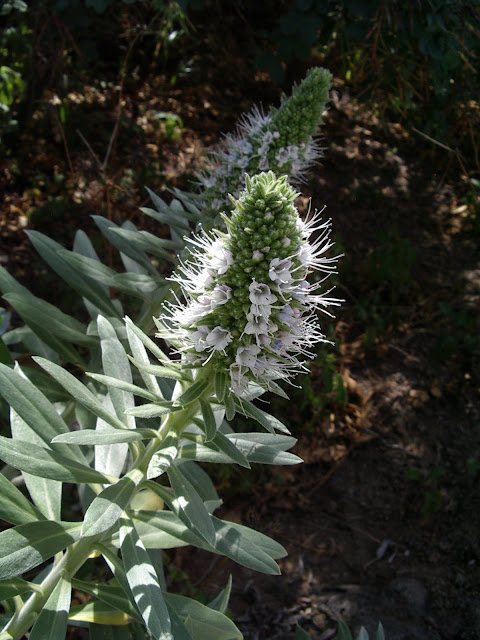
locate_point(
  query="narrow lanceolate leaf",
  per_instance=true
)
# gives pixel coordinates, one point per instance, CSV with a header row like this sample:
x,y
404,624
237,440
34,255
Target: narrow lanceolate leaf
x,y
159,371
269,422
51,624
110,436
163,457
99,612
14,506
111,594
46,463
143,583
14,587
36,313
85,286
46,494
202,622
189,505
192,393
208,419
50,319
30,404
133,330
125,246
220,603
145,241
108,506
220,385
108,381
116,365
80,392
24,547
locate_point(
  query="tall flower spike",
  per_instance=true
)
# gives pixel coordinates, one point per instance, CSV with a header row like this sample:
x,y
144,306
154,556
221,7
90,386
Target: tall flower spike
x,y
249,311
281,141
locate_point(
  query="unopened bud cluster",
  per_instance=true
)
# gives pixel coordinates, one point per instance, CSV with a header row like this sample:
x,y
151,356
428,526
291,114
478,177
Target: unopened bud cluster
x,y
281,141
249,310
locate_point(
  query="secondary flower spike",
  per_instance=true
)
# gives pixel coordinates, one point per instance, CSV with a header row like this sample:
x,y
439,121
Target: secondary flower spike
x,y
249,310
281,141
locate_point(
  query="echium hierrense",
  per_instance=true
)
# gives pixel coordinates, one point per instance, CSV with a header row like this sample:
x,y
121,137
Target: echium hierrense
x,y
249,310
281,141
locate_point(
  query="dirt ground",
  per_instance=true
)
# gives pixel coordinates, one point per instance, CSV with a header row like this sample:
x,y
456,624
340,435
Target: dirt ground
x,y
381,522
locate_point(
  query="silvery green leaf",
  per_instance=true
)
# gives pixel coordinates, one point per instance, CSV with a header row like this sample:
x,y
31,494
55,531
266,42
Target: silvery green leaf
x,y
90,267
80,392
223,444
45,493
137,284
166,218
189,505
229,406
124,246
112,594
266,544
35,315
137,340
277,389
202,622
29,342
50,319
86,287
163,457
164,530
14,587
143,582
269,422
8,284
238,544
300,634
30,404
220,385
220,603
98,612
24,547
208,420
193,392
116,365
151,410
46,463
160,371
108,381
380,634
107,457
145,241
14,506
200,480
110,436
107,508
51,624
363,634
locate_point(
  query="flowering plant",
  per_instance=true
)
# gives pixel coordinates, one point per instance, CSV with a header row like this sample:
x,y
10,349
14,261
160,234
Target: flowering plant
x,y
131,432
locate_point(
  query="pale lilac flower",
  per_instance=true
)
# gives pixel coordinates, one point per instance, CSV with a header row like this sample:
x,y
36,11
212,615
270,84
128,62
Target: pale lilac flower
x,y
218,338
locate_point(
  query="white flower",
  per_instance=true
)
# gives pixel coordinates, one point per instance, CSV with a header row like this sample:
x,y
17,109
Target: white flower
x,y
221,294
247,356
256,325
260,293
199,337
218,338
279,271
220,258
239,381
